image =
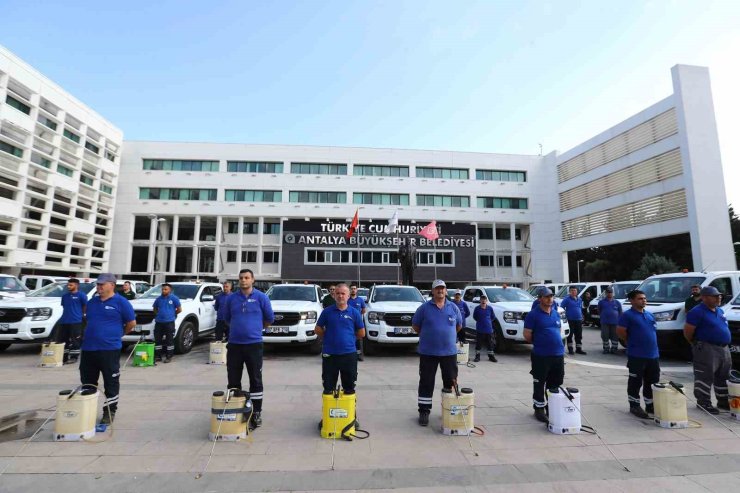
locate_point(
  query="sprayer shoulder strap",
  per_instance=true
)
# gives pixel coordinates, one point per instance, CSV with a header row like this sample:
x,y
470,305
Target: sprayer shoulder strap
x,y
238,410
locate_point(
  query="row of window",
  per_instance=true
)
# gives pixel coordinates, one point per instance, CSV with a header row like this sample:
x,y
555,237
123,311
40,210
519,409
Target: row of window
x,y
252,228
498,260
312,197
389,257
250,257
333,169
501,234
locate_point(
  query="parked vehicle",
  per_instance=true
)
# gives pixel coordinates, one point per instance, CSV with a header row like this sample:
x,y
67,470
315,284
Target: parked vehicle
x,y
388,317
37,282
554,287
621,288
666,295
197,318
33,318
297,308
510,308
138,287
732,312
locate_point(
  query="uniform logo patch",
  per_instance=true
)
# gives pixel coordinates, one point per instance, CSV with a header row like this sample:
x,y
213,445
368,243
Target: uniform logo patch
x,y
110,307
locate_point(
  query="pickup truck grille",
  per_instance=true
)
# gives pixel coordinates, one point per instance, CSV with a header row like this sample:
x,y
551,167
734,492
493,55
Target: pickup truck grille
x,y
288,318
398,319
144,317
12,315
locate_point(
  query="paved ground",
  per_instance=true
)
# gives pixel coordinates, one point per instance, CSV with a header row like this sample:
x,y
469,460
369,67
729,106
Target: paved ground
x,y
160,439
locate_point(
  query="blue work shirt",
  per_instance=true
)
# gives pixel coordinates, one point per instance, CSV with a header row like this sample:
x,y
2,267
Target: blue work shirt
x,y
105,321
438,334
72,304
340,327
711,326
483,319
247,315
166,308
536,303
463,307
545,327
219,305
642,335
357,303
573,307
609,311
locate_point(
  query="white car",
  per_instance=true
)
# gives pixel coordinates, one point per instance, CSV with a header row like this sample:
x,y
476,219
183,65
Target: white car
x,y
33,318
510,308
11,287
138,287
732,313
297,308
388,316
33,282
621,288
197,318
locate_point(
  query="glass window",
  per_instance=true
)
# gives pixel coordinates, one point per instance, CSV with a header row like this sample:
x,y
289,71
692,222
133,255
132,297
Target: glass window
x,y
270,257
231,256
180,165
18,105
254,167
724,286
15,151
92,147
319,197
443,200
249,256
446,173
250,228
497,175
485,233
272,228
64,170
318,169
380,198
502,203
72,136
379,170
176,193
505,234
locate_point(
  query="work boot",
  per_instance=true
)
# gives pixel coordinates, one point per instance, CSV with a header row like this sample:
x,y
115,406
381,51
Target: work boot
x,y
615,349
108,417
492,358
167,359
570,350
477,358
605,351
256,420
639,412
580,351
360,357
723,404
650,408
708,407
540,415
423,418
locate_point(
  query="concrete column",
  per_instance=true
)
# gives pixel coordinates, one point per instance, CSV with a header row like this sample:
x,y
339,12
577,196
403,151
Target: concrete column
x,y
495,251
260,239
173,255
196,252
566,272
217,248
239,244
512,231
152,244
477,251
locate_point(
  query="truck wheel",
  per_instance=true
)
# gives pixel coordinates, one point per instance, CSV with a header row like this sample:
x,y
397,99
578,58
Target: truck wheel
x,y
4,345
185,338
369,348
502,344
315,346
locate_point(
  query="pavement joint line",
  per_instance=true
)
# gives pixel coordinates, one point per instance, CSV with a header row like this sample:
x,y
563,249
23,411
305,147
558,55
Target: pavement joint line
x,y
672,369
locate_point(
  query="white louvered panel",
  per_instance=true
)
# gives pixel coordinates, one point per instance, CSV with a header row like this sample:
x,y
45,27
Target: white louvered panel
x,y
649,211
644,134
653,170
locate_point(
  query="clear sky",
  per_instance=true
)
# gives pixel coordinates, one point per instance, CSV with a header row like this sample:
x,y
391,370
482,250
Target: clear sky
x,y
489,76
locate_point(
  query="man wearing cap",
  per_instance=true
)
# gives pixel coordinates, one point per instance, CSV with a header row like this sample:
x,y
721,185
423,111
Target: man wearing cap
x,y
609,312
166,307
693,299
74,304
109,317
638,329
437,322
542,330
483,316
707,330
358,303
572,305
248,312
464,311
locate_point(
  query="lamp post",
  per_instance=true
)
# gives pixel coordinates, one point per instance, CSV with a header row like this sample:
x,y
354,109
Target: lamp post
x,y
152,247
578,269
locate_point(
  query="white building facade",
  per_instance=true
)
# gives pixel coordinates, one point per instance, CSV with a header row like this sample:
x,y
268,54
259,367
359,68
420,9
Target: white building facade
x,y
59,167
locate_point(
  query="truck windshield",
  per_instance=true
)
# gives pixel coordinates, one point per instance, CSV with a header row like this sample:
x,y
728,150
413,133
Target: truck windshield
x,y
397,294
564,290
57,289
621,290
292,293
497,295
182,291
669,289
11,284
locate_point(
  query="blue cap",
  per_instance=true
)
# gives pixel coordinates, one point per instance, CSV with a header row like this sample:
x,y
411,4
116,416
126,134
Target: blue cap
x,y
542,292
709,291
107,277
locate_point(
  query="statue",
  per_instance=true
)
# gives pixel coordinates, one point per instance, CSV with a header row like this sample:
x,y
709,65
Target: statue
x,y
407,258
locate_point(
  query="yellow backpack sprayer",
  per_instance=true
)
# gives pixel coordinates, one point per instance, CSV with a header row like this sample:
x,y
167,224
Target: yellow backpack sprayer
x,y
52,355
670,406
217,353
76,414
230,413
733,389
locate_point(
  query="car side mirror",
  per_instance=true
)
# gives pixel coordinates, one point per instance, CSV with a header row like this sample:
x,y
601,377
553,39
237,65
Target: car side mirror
x,y
476,299
206,297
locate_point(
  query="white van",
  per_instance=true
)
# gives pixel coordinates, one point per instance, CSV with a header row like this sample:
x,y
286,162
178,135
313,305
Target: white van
x,y
37,282
732,312
11,287
667,293
621,288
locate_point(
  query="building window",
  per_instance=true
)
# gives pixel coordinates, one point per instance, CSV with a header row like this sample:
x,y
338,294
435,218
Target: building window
x,y
231,256
18,105
72,136
106,189
380,198
249,256
64,170
30,244
435,258
270,257
250,228
180,165
253,167
501,203
443,200
485,233
448,173
379,170
86,179
505,260
177,193
498,175
47,123
254,196
318,169
485,260
15,151
271,228
319,197
110,156
92,147
505,234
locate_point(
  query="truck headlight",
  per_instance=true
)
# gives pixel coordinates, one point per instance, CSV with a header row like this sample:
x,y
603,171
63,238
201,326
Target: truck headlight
x,y
663,316
563,317
309,317
38,314
513,317
375,317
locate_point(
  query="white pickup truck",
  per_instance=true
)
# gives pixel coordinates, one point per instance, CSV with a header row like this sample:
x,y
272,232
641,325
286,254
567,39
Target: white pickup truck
x,y
297,308
388,316
197,318
510,308
33,318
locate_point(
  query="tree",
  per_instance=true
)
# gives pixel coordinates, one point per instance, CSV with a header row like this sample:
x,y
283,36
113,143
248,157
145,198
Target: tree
x,y
735,232
654,264
598,270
